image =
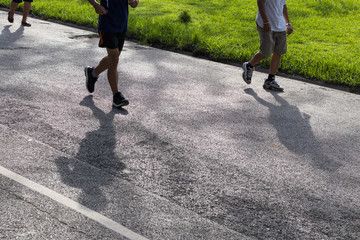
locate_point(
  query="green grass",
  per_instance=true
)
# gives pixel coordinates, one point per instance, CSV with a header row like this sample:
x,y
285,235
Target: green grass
x,y
324,46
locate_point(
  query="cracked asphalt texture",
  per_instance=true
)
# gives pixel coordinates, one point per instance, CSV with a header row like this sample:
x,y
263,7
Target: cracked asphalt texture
x,y
198,154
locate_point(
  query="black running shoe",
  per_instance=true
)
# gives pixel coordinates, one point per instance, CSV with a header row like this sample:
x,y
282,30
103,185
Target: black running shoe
x,y
272,85
248,72
119,100
90,80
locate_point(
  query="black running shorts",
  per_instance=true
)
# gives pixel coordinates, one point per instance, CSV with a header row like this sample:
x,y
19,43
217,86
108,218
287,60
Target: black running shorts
x,y
112,40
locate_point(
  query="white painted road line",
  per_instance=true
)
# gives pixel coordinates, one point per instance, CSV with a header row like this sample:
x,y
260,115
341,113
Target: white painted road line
x,y
107,222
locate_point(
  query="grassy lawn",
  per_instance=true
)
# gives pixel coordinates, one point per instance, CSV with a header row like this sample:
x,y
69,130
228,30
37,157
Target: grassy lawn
x,y
325,45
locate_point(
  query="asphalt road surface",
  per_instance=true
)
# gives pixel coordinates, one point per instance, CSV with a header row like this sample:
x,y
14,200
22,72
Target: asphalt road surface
x,y
198,154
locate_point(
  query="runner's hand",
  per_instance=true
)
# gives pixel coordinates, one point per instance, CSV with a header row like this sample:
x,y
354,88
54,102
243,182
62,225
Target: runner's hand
x,y
133,3
100,9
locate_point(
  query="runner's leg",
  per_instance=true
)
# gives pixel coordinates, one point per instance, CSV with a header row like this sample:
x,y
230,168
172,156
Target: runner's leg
x,y
112,73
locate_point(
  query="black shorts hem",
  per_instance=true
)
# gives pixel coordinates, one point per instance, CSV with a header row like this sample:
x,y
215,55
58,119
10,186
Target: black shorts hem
x,y
112,40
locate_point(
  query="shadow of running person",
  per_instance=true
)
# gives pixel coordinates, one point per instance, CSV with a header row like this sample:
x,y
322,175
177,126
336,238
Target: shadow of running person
x,y
97,149
294,131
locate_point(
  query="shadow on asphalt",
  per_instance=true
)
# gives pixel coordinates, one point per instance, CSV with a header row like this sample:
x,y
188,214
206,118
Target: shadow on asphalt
x,y
8,37
96,149
294,131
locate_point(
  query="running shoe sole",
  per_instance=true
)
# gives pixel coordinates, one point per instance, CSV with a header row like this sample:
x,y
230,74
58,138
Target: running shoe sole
x,y
273,88
122,104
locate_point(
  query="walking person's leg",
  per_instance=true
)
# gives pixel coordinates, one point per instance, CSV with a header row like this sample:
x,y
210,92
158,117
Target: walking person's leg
x,y
280,48
248,67
258,57
26,11
274,63
13,5
270,82
266,47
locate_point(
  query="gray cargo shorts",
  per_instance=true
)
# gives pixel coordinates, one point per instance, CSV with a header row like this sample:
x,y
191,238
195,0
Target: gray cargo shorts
x,y
272,42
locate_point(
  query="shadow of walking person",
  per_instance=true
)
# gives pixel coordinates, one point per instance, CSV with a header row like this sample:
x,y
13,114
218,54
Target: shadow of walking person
x,y
7,38
7,42
294,131
98,150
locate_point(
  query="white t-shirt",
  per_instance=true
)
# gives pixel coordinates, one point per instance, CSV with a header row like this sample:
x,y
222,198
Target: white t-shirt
x,y
274,11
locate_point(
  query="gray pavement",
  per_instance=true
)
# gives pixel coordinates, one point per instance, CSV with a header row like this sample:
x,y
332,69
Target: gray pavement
x,y
198,154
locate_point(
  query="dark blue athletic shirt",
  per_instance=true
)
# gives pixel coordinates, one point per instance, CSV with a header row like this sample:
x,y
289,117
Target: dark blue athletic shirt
x,y
116,20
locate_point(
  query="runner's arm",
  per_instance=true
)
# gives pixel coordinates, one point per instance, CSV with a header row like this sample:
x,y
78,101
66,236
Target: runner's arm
x,y
98,8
